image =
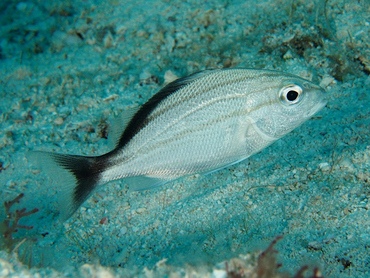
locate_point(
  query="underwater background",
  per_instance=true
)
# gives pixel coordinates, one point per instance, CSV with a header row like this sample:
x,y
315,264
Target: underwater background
x,y
67,68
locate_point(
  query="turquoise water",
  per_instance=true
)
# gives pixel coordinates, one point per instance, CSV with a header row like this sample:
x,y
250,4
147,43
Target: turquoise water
x,y
67,68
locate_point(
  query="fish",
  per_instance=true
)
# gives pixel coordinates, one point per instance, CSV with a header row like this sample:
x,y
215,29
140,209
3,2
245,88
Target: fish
x,y
197,124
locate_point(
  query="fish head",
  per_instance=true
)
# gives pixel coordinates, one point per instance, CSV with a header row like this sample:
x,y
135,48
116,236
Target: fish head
x,y
289,102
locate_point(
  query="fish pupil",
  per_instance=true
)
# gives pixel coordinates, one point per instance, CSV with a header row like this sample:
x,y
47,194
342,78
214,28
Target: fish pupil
x,y
292,95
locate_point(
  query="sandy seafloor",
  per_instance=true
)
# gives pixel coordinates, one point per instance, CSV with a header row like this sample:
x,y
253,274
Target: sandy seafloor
x,y
68,67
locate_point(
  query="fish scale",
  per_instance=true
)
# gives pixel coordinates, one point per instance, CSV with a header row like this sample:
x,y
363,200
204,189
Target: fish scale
x,y
196,124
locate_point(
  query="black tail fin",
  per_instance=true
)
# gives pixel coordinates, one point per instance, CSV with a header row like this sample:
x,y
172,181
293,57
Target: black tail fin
x,y
77,177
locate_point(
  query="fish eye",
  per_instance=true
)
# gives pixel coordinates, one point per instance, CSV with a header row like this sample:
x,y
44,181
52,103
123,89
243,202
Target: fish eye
x,y
291,94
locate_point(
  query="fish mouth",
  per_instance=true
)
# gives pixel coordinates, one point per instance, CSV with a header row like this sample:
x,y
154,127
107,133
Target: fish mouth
x,y
317,108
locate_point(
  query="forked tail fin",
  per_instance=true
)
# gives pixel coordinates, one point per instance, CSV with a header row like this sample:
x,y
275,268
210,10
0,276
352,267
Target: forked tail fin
x,y
77,178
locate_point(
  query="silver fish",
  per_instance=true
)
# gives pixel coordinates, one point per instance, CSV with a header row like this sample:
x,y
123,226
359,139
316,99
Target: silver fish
x,y
197,124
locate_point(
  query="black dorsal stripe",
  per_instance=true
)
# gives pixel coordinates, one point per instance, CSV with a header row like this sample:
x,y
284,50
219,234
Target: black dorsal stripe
x,y
138,121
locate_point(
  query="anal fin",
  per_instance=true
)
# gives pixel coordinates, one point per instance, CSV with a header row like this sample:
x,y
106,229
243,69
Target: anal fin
x,y
145,183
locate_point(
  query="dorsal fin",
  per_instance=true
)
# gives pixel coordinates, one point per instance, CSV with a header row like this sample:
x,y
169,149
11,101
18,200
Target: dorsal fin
x,y
138,120
119,124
